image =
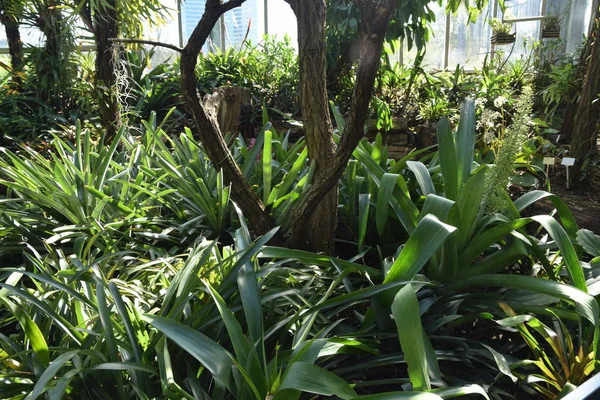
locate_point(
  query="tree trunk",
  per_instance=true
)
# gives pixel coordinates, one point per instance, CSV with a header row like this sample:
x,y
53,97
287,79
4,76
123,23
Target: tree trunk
x,y
226,103
106,27
586,122
313,217
207,128
321,226
15,46
567,125
320,202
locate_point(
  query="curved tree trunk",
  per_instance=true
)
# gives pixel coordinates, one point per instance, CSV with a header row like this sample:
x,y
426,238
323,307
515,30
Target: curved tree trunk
x,y
207,127
587,118
106,27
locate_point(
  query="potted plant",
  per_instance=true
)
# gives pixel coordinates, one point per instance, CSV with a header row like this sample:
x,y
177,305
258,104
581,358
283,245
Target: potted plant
x,y
430,112
551,27
502,32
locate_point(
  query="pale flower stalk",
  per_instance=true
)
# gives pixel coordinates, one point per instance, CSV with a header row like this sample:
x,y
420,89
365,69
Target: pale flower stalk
x,y
498,177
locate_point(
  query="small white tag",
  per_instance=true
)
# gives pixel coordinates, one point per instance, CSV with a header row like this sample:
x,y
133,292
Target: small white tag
x,y
568,161
549,160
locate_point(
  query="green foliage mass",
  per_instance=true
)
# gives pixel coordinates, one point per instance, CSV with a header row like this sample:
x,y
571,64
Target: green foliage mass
x,y
129,272
269,70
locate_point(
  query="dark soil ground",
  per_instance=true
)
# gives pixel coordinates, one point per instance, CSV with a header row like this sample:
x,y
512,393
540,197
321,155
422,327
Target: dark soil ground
x,y
583,199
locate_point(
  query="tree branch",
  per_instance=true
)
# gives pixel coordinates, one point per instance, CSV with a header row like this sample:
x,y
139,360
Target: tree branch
x,y
150,42
231,4
207,128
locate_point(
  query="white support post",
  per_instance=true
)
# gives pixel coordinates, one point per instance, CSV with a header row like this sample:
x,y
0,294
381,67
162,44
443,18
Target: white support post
x,y
266,15
447,42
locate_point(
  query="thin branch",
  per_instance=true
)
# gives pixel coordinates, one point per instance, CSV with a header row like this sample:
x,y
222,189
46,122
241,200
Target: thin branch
x,y
231,4
150,42
213,10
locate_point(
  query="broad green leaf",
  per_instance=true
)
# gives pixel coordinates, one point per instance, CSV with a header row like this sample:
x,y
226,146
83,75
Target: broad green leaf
x,y
589,241
253,155
291,176
31,331
57,392
251,300
511,252
122,310
566,248
357,295
364,203
452,392
427,238
50,373
109,334
267,168
438,206
566,216
585,305
448,160
465,141
124,366
407,316
60,321
244,351
483,240
384,196
400,396
339,118
423,177
309,378
400,202
469,202
313,258
209,353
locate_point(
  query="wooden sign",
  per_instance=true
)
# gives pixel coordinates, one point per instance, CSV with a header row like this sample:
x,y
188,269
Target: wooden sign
x,y
548,161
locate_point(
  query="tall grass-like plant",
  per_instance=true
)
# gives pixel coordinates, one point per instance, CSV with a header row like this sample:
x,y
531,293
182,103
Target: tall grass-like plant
x,y
91,196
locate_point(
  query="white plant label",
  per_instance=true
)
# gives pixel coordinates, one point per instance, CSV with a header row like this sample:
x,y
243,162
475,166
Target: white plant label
x,y
549,160
568,161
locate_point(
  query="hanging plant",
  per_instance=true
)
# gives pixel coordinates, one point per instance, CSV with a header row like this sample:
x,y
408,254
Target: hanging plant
x,y
551,28
502,32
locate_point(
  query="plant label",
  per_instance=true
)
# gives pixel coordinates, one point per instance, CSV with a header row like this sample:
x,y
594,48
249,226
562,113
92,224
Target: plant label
x,y
568,161
549,160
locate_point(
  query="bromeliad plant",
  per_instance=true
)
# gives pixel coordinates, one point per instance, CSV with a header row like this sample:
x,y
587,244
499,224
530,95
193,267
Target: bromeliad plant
x,y
560,363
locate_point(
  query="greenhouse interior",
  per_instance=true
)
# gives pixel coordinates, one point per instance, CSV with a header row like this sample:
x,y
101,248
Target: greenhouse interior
x,y
299,199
